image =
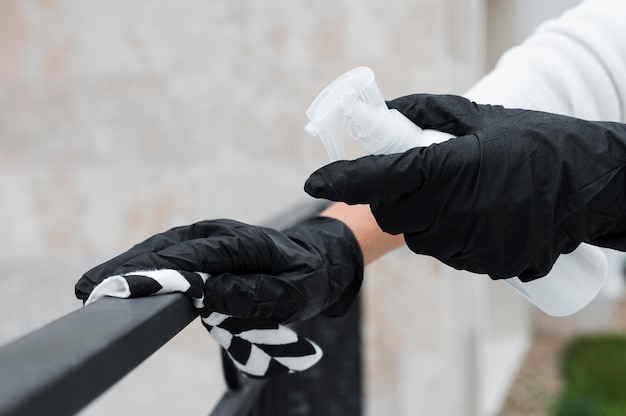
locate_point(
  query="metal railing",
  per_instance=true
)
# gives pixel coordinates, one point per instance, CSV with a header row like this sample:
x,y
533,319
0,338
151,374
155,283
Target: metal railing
x,y
62,367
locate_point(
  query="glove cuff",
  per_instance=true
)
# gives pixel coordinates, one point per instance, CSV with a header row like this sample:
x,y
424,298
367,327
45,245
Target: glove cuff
x,y
336,242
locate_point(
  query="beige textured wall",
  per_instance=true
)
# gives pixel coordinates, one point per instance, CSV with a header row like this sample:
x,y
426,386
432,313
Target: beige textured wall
x,y
119,119
142,116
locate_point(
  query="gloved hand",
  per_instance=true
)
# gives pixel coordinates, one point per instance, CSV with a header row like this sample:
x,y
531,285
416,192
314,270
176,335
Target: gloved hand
x,y
313,268
512,192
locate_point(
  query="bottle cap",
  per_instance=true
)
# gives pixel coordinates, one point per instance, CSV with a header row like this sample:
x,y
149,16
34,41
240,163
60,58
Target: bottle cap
x,y
329,113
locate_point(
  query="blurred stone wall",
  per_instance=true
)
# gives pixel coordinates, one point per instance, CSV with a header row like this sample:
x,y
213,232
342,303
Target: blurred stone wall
x,y
122,118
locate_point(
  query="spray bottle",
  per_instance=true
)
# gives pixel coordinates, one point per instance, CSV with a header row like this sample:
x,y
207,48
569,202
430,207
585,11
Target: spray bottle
x,y
353,101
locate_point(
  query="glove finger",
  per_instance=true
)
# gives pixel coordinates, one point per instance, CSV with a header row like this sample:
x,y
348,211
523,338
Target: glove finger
x,y
138,257
234,247
370,178
375,179
94,276
248,250
258,295
448,113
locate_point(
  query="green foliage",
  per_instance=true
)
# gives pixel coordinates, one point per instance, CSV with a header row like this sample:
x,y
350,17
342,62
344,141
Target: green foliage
x,y
594,377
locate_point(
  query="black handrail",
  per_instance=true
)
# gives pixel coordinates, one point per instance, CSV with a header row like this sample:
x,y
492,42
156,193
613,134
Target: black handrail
x,y
65,365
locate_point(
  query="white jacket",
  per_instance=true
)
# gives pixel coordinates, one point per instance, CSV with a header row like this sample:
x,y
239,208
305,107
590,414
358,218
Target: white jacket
x,y
574,65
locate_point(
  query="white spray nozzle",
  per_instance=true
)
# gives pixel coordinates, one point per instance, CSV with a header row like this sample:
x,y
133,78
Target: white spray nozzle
x,y
327,113
354,102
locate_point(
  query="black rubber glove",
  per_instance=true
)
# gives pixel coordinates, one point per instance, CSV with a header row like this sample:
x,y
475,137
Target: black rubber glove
x,y
512,192
313,268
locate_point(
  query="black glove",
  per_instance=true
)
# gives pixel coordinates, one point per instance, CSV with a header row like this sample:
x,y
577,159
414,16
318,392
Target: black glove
x,y
513,191
313,268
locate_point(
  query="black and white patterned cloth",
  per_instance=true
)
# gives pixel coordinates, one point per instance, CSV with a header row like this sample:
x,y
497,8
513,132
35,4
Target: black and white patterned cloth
x,y
259,348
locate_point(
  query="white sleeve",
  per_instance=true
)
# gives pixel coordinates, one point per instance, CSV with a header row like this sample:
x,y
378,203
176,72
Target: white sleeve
x,y
574,65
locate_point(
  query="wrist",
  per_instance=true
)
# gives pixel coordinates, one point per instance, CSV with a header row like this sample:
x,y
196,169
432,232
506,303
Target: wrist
x,y
373,241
